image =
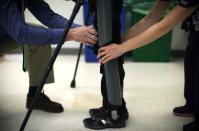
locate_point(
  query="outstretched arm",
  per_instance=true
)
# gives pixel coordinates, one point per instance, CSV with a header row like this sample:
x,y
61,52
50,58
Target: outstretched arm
x,y
155,14
177,15
14,25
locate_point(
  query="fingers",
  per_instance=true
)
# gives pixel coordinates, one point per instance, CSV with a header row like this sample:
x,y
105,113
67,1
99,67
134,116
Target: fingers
x,y
90,36
93,33
93,37
89,40
101,49
101,53
104,59
92,30
109,52
104,55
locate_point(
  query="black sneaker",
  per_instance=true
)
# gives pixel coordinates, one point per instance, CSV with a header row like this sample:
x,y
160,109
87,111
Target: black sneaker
x,y
95,112
45,104
193,126
105,119
184,111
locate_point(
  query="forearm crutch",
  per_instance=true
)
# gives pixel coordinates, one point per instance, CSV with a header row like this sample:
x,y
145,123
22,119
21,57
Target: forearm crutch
x,y
51,63
73,82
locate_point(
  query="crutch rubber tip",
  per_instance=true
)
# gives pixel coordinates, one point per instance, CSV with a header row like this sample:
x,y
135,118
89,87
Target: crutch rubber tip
x,y
73,84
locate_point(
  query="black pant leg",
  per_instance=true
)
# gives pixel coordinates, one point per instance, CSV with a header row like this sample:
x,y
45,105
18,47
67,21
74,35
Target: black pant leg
x,y
189,68
195,58
103,88
196,89
191,71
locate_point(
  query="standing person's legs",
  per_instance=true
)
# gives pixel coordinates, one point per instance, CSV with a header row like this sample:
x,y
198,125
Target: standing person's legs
x,y
103,114
100,116
189,70
194,126
196,92
105,103
196,82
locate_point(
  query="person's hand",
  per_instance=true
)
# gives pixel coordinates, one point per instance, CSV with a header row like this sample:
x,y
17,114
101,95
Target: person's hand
x,y
83,34
110,52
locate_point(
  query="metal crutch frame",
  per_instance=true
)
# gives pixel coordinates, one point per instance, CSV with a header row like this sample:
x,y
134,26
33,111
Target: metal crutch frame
x,y
51,63
73,82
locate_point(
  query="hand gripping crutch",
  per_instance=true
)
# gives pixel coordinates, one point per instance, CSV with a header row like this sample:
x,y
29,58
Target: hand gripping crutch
x,y
51,63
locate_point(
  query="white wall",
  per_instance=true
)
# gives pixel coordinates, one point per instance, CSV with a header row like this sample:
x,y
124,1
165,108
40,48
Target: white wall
x,y
63,8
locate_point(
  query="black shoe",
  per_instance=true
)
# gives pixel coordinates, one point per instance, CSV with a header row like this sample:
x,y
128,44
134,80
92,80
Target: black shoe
x,y
105,119
184,111
45,104
95,112
193,126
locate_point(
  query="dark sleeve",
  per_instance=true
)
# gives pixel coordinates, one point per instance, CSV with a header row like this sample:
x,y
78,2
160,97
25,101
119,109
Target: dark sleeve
x,y
42,11
188,3
14,25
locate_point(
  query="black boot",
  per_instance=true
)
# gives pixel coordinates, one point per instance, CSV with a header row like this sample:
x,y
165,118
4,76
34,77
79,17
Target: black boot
x,y
45,104
95,111
184,111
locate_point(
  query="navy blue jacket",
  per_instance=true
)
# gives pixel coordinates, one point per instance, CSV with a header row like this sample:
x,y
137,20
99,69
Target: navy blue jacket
x,y
13,25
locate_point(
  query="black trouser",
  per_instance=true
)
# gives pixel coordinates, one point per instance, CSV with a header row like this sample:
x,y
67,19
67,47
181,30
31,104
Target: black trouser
x,y
191,91
117,8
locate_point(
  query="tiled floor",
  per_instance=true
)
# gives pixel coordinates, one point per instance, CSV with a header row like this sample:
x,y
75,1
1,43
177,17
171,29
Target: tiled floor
x,y
151,92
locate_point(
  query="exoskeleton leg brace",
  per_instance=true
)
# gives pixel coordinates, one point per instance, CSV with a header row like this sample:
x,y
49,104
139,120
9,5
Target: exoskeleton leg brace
x,y
104,20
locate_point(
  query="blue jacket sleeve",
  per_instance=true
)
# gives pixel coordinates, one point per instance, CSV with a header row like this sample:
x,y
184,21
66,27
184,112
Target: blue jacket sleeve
x,y
42,11
14,25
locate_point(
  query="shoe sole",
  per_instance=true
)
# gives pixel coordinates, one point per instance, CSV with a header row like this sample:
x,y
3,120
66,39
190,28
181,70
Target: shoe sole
x,y
104,127
183,115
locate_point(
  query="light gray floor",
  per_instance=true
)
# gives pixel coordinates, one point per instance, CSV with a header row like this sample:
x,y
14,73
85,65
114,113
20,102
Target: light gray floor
x,y
151,92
